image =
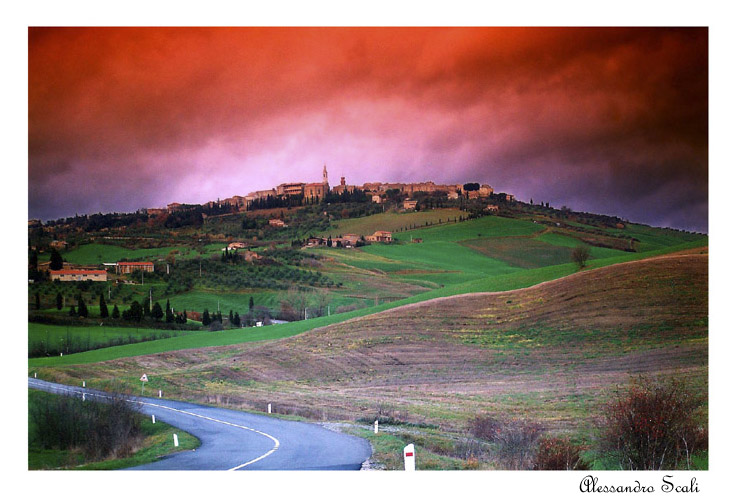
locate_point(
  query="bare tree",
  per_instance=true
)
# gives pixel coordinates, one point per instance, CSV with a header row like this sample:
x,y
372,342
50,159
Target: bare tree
x,y
580,256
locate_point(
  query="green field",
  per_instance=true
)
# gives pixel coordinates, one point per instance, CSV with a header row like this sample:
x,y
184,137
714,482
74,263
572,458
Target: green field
x,y
392,221
93,254
516,280
60,338
487,226
490,253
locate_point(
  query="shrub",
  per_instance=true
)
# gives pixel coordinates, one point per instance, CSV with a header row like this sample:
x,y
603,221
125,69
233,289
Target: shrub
x,y
654,425
580,256
99,429
558,453
516,439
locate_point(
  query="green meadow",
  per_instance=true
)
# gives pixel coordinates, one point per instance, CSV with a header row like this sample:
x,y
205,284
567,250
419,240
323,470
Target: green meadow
x,y
502,282
490,253
392,221
92,254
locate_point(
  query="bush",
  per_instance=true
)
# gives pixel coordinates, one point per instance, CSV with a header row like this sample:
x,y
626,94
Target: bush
x,y
654,425
516,439
99,429
580,256
558,453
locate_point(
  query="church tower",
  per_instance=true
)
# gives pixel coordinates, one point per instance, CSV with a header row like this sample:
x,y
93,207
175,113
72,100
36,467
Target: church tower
x,y
324,175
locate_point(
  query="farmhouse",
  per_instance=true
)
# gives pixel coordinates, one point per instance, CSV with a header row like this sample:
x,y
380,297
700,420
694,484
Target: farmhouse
x,y
350,239
380,236
409,204
78,275
249,256
275,222
131,266
376,199
316,241
236,245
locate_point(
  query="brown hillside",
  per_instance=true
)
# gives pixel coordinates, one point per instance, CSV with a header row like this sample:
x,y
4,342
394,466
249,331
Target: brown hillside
x,y
549,352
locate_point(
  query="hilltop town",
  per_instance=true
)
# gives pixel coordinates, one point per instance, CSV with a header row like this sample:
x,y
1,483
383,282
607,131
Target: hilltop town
x,y
313,193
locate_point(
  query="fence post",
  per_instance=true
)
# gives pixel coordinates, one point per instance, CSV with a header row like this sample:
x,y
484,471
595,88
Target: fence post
x,y
176,440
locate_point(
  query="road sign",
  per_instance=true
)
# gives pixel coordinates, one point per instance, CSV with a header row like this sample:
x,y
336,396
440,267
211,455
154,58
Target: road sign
x,y
144,378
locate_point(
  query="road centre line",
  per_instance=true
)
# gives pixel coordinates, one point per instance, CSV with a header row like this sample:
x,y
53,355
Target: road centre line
x,y
268,453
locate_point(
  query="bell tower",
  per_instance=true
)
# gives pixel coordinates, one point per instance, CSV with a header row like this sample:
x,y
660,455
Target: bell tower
x,y
324,175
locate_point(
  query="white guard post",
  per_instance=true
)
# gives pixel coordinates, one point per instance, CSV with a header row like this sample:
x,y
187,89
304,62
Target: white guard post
x,y
269,408
409,457
375,427
176,440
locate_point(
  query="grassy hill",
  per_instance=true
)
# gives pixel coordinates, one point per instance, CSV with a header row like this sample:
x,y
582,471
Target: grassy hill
x,y
551,352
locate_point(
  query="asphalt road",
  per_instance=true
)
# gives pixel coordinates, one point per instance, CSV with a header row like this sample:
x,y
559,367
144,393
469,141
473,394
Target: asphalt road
x,y
234,440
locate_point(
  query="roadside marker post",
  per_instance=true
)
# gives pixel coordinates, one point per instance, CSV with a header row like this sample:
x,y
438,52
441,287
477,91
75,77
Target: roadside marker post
x,y
409,457
159,393
84,383
83,397
269,408
375,427
153,418
176,440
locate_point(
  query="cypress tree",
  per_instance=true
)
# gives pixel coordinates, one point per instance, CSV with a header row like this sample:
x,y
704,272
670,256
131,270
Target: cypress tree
x,y
81,307
206,317
59,300
115,312
157,313
236,319
56,263
146,308
72,311
251,304
104,312
136,311
169,314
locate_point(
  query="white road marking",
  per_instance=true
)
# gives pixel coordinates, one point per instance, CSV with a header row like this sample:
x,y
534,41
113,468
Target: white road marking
x,y
268,453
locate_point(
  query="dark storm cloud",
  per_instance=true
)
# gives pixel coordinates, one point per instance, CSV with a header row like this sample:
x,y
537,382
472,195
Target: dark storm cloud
x,y
610,120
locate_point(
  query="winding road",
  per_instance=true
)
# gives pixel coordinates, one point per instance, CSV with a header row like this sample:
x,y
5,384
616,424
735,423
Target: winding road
x,y
234,440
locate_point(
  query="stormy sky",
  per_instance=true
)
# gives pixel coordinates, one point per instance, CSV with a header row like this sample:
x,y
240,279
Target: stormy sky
x,y
606,120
